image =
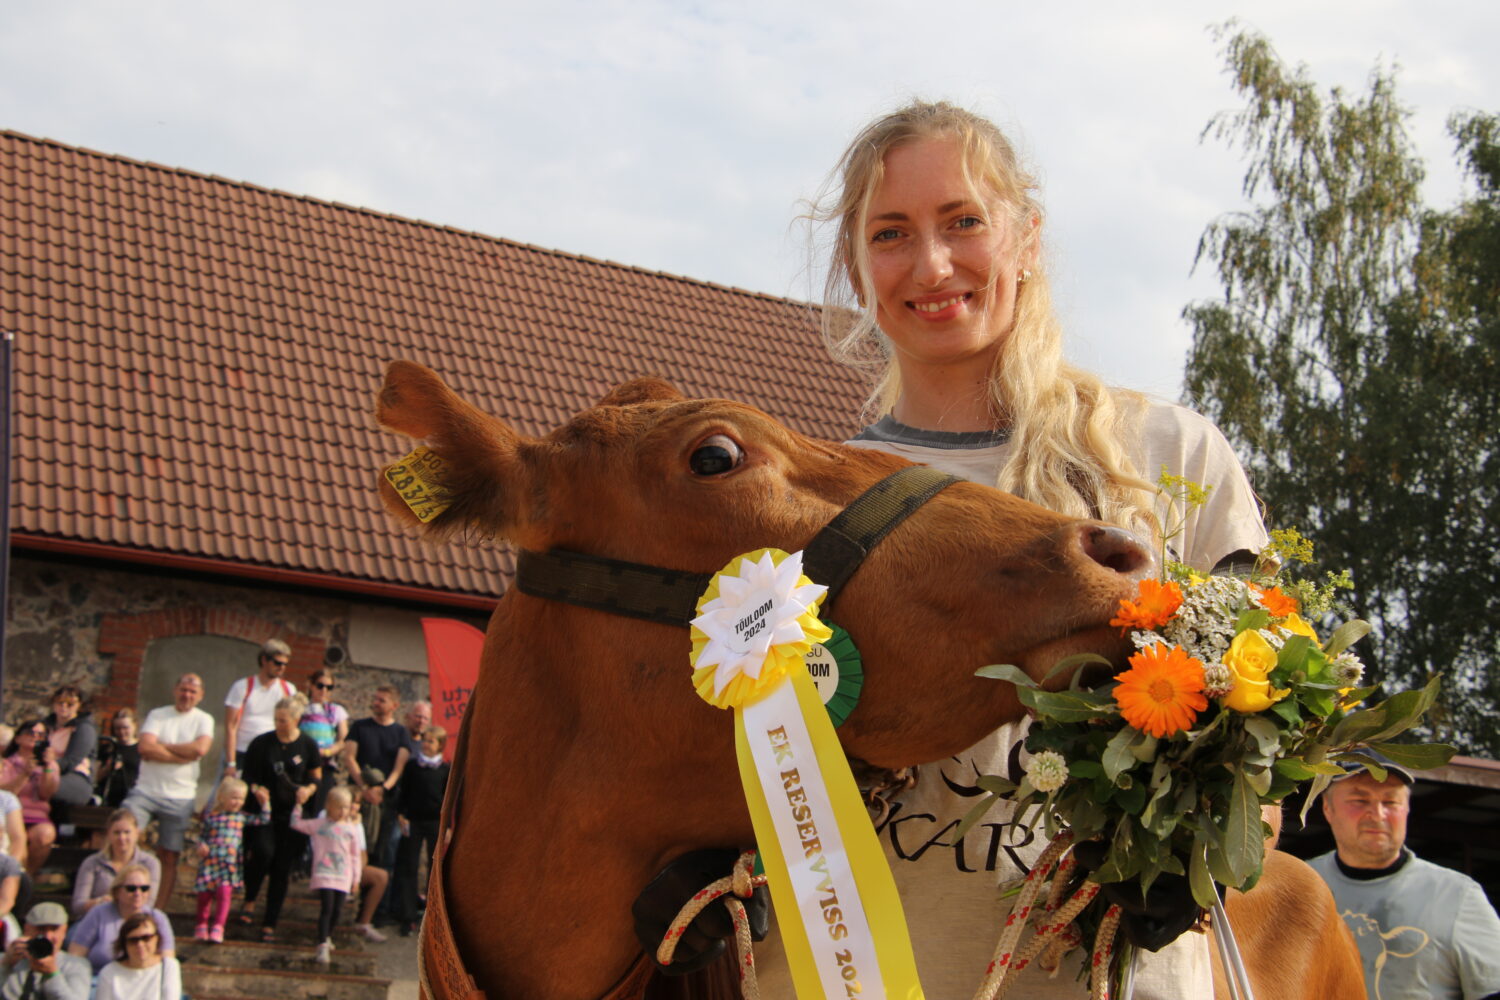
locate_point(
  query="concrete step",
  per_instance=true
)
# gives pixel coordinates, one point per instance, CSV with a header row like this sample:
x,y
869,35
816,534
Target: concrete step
x,y
203,981
279,955
297,933
299,903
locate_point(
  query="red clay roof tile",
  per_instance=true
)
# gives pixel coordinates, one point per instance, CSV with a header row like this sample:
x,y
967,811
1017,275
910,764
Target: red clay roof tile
x,y
195,359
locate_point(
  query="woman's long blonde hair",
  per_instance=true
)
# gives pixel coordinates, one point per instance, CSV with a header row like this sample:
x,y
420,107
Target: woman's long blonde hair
x,y
1066,426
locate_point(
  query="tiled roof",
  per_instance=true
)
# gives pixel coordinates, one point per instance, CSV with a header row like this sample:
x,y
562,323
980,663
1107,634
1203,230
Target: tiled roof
x,y
196,360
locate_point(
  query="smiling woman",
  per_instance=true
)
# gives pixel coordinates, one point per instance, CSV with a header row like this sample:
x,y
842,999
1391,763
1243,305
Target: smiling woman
x,y
938,287
140,971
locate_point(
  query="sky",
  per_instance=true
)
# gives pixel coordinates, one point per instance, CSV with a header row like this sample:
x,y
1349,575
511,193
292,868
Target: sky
x,y
685,137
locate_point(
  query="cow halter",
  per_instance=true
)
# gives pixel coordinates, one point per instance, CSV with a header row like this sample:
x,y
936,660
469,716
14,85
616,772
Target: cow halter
x,y
670,597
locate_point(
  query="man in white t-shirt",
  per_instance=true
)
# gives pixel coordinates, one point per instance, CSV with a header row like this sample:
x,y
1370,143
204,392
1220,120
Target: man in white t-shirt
x,y
174,740
250,705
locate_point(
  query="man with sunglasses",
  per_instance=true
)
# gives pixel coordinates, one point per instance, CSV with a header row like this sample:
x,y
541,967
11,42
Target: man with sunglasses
x,y
174,740
36,967
250,705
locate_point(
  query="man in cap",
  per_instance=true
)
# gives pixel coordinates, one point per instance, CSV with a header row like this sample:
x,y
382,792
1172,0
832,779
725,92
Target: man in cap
x,y
1423,930
35,965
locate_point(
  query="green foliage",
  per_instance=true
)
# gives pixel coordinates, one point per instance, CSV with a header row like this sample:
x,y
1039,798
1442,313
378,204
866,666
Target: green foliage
x,y
1354,361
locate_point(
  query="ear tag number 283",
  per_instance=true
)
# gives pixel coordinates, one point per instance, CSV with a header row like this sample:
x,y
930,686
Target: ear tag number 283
x,y
417,481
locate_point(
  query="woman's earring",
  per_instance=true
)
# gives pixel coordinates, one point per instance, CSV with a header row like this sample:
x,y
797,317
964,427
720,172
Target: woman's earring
x,y
1025,275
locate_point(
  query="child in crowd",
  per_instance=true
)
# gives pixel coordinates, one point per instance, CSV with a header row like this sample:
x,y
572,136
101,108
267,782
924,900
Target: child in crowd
x,y
219,846
337,858
420,803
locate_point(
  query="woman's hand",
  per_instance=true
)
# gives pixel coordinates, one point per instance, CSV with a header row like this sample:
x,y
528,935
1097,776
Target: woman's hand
x,y
262,795
305,792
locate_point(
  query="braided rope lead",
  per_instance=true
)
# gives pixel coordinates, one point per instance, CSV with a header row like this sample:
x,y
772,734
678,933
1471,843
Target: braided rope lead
x,y
1054,930
737,885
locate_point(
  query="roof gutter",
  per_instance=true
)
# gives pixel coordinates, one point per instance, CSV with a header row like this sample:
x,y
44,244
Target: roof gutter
x,y
225,567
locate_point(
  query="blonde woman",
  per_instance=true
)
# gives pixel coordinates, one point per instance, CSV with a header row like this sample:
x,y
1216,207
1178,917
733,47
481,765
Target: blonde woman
x,y
938,287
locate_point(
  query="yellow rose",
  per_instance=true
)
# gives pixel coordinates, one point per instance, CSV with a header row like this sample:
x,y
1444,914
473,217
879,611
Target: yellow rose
x,y
1295,624
1251,659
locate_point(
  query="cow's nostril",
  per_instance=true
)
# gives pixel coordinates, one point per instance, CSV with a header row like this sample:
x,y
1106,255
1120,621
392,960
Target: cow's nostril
x,y
1115,548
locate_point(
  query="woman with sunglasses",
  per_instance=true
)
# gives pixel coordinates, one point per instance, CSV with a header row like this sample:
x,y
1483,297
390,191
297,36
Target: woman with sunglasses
x,y
130,895
140,971
328,725
30,772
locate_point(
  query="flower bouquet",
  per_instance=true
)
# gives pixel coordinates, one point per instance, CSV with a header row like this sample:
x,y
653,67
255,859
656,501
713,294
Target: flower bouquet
x,y
1231,701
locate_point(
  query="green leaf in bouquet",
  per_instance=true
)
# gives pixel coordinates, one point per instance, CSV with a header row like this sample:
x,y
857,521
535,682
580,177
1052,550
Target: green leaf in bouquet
x,y
1318,667
1161,787
1117,756
1396,714
1199,740
1327,767
1418,756
996,785
1007,672
1295,769
1265,733
1345,636
1321,699
1281,787
1068,706
1085,768
1252,618
1259,780
1218,865
1144,749
1319,785
1072,662
1287,709
974,815
1133,798
1291,658
1244,843
1199,879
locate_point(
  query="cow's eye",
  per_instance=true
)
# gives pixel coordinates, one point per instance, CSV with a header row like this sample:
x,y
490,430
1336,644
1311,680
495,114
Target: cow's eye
x,y
715,456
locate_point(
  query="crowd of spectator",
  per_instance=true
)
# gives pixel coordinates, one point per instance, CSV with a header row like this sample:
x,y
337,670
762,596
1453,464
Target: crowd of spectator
x,y
367,791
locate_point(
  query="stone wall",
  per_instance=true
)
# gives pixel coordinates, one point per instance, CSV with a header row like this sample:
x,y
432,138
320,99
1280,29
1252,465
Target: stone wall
x,y
70,622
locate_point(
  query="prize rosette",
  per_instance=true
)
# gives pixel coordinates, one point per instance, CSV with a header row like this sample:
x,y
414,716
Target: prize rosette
x,y
836,903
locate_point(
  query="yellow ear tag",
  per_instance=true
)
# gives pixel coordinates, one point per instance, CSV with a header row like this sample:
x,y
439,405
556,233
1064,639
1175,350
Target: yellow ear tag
x,y
417,479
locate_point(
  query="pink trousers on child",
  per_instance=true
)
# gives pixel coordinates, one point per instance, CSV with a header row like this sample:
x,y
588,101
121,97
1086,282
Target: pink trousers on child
x,y
218,898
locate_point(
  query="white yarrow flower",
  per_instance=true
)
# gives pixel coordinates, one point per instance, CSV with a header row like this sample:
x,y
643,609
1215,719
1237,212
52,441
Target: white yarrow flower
x,y
1047,771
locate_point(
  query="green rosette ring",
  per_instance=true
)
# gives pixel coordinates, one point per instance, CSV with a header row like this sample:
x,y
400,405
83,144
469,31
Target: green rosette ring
x,y
837,672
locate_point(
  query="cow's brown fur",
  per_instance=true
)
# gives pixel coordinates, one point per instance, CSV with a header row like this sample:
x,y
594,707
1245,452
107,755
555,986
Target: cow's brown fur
x,y
1295,944
591,761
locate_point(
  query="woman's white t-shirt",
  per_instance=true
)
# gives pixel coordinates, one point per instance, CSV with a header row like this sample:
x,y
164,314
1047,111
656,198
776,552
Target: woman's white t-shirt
x,y
950,893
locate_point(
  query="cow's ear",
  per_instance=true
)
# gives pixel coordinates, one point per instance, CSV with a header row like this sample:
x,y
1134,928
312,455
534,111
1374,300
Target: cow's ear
x,y
641,390
477,478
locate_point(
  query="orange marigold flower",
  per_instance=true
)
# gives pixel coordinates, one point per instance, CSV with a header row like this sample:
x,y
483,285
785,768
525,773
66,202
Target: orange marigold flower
x,y
1273,600
1162,692
1154,606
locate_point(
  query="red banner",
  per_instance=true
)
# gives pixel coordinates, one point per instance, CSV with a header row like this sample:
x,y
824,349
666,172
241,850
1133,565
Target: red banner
x,y
453,649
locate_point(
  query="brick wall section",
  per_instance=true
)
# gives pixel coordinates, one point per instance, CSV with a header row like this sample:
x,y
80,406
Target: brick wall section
x,y
91,626
124,638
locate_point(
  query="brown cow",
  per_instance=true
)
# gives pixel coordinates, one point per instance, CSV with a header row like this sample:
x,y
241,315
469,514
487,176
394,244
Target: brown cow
x,y
1294,943
591,762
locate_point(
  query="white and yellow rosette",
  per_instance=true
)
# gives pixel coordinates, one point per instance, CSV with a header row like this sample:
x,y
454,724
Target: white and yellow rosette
x,y
836,904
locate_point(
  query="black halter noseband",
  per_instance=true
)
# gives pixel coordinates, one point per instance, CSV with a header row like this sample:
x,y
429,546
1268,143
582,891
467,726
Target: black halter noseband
x,y
670,597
